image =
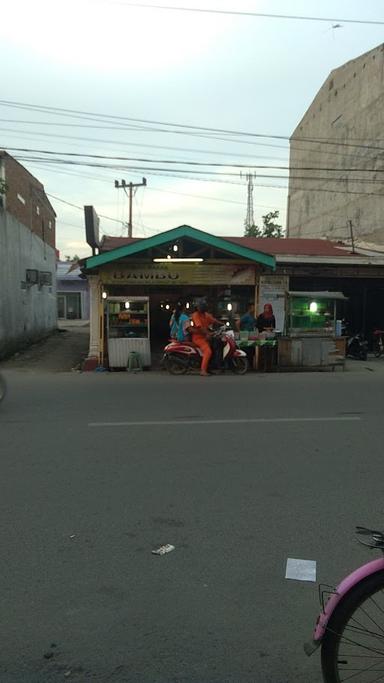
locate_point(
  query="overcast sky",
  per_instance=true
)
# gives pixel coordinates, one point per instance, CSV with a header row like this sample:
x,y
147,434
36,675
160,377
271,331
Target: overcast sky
x,y
104,57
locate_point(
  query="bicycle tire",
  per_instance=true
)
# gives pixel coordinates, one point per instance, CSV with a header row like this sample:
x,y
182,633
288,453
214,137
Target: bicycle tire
x,y
336,665
377,351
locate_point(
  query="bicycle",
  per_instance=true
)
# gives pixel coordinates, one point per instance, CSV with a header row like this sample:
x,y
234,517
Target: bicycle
x,y
378,343
350,627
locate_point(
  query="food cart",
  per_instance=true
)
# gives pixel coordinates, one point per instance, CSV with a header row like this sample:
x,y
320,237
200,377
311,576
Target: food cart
x,y
127,329
313,336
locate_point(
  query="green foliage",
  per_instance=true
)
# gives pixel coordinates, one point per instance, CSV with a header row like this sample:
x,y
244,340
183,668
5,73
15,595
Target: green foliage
x,y
71,259
270,227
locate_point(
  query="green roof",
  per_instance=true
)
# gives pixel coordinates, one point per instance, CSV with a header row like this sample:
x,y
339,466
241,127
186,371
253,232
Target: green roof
x,y
138,247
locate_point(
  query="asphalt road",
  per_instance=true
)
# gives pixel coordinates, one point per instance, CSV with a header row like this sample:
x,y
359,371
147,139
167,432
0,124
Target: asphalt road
x,y
233,471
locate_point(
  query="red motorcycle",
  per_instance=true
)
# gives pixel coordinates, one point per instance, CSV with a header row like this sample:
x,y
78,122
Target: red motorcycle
x,y
180,357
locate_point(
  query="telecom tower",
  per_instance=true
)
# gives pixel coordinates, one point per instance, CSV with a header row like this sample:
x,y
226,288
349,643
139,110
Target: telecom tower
x,y
250,218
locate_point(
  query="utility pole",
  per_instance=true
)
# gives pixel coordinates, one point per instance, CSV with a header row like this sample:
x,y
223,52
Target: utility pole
x,y
250,218
124,185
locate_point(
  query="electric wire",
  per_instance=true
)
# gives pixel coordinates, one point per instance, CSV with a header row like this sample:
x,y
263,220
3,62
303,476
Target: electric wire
x,y
241,13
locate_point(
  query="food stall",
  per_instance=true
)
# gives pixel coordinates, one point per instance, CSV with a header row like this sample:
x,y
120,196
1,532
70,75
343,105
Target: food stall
x,y
313,335
127,329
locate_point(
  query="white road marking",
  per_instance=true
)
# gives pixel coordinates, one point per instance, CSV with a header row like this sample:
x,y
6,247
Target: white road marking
x,y
256,420
300,570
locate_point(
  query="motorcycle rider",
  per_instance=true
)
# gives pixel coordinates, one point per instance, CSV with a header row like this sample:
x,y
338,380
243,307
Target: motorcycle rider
x,y
201,320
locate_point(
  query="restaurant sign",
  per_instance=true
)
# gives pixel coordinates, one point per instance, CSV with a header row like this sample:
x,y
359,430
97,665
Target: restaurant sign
x,y
179,274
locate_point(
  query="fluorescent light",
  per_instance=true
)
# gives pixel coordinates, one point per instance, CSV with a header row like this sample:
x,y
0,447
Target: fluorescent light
x,y
177,260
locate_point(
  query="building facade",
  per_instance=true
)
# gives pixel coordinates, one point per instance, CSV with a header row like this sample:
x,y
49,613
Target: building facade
x,y
72,292
27,258
336,183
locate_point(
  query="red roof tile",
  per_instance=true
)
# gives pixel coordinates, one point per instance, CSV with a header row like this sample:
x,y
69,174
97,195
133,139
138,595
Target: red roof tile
x,y
268,245
291,246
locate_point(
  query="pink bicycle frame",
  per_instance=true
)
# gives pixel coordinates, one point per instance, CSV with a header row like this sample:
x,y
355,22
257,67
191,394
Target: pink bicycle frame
x,y
341,591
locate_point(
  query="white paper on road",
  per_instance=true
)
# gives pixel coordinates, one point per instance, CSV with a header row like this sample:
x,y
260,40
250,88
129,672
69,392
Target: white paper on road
x,y
300,570
164,549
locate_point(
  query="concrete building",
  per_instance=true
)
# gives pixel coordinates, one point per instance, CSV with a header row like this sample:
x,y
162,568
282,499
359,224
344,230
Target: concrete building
x,y
27,258
72,292
336,183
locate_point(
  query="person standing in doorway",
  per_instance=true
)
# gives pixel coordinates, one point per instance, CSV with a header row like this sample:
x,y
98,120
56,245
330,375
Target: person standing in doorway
x,y
201,320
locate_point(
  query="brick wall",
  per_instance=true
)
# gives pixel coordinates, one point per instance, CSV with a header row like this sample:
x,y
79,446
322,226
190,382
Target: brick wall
x,y
26,200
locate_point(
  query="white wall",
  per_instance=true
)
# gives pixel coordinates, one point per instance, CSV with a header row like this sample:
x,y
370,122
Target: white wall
x,y
26,314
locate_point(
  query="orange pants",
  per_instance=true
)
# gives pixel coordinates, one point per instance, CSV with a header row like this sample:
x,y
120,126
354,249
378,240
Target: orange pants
x,y
205,346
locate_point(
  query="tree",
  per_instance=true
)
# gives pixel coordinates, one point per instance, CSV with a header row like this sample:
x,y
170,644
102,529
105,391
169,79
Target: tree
x,y
270,227
72,258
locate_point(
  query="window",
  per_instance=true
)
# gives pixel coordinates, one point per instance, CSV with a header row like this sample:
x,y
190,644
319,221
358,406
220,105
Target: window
x,y
21,199
38,210
50,225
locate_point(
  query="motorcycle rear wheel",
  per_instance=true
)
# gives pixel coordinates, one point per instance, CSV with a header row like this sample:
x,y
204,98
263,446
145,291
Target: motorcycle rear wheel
x,y
239,365
176,366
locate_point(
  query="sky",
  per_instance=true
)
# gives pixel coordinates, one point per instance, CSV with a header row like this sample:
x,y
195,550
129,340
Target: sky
x,y
102,77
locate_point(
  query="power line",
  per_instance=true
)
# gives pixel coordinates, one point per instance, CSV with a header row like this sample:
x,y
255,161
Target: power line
x,y
261,15
75,206
189,149
146,169
186,128
182,162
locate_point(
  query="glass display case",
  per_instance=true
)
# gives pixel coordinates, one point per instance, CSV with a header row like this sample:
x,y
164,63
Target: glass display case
x,y
128,329
128,319
313,313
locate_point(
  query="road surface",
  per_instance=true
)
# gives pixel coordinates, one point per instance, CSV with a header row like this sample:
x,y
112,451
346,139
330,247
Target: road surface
x,y
238,473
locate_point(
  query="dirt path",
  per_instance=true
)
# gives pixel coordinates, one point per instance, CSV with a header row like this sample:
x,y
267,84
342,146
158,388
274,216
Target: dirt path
x,y
63,351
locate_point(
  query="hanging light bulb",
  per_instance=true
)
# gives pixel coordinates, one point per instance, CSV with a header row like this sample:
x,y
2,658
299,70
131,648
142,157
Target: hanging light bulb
x,y
104,295
229,307
127,304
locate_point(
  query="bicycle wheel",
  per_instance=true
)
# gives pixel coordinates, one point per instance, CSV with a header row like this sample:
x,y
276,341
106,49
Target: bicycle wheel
x,y
376,349
353,645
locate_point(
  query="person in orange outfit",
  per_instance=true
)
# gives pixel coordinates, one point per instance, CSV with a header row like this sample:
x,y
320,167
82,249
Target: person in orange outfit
x,y
201,320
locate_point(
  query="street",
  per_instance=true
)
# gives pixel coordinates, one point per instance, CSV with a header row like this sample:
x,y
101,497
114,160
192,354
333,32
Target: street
x,y
238,473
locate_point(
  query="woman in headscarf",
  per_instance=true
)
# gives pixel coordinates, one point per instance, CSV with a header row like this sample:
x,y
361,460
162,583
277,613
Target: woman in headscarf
x,y
266,320
180,323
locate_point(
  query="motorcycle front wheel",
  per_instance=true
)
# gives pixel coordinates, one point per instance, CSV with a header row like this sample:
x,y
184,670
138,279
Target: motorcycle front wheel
x,y
352,645
239,365
175,365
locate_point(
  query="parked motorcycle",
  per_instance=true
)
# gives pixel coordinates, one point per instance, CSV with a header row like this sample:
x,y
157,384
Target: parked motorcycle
x,y
3,388
180,357
357,347
378,343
